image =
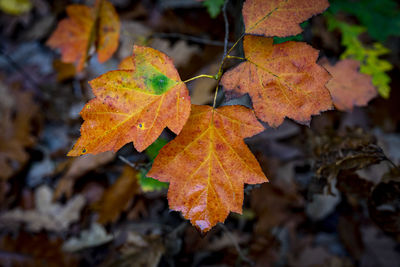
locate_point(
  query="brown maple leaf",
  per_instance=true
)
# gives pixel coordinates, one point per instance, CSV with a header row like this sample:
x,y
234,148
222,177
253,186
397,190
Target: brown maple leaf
x,y
282,80
349,87
279,17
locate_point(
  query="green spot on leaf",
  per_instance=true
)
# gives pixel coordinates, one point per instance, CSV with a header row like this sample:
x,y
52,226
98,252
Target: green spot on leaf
x,y
160,84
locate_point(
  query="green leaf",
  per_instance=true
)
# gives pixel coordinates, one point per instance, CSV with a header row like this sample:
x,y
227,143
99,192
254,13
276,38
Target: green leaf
x,y
380,17
153,149
148,184
15,7
369,57
213,7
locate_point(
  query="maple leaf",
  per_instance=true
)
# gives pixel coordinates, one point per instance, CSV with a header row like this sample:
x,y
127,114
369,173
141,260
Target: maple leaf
x,y
208,164
279,17
75,35
349,87
134,105
283,80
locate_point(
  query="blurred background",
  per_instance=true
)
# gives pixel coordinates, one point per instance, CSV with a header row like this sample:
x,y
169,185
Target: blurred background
x,y
334,192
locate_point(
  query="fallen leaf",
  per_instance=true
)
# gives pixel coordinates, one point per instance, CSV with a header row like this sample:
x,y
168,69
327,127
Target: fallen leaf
x,y
79,167
17,117
282,80
134,105
47,215
139,251
208,164
118,196
349,87
353,150
75,35
93,237
279,17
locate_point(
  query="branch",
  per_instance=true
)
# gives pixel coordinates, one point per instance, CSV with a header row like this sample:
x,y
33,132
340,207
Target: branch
x,y
131,164
188,38
226,27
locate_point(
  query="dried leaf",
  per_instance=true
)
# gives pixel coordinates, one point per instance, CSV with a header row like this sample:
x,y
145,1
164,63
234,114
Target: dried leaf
x,y
279,17
283,80
79,167
118,196
352,150
48,215
18,112
349,87
93,237
208,164
75,35
134,105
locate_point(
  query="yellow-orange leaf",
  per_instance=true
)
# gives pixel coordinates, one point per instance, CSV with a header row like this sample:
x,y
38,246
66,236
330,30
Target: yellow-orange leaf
x,y
126,64
86,25
279,17
348,86
134,105
108,31
282,80
208,164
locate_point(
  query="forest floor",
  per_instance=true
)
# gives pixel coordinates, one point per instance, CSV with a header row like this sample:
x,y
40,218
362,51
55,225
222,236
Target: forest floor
x,y
334,191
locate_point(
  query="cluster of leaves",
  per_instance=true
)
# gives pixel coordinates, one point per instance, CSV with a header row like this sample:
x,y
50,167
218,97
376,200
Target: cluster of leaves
x,y
85,27
369,57
208,163
380,19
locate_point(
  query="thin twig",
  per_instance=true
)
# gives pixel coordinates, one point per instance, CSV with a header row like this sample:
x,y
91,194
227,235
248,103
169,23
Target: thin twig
x,y
236,245
126,161
226,28
191,38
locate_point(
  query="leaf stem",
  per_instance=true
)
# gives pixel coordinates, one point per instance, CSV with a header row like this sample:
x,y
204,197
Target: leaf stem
x,y
201,76
234,57
219,74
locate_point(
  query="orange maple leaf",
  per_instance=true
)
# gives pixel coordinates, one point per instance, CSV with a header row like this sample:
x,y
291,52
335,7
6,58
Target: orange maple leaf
x,y
134,105
208,164
348,86
283,80
87,25
279,17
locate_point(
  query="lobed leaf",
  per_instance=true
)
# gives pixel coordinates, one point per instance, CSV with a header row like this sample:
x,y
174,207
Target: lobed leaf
x,y
282,80
84,26
349,87
279,17
134,105
208,164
